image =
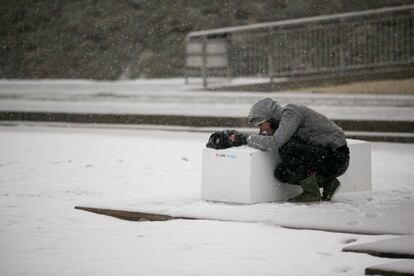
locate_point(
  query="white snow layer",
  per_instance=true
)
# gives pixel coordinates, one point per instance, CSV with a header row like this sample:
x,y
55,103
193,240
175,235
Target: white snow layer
x,y
172,97
45,172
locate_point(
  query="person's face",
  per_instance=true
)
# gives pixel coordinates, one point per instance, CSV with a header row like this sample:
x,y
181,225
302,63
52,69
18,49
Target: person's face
x,y
266,128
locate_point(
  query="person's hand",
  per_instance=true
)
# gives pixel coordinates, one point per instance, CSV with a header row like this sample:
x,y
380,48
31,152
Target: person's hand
x,y
236,138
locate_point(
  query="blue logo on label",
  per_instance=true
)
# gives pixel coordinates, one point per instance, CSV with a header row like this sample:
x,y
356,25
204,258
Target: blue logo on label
x,y
228,155
231,156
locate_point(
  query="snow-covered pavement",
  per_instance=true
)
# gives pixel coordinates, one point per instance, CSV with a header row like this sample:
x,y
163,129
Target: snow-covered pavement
x,y
173,97
46,171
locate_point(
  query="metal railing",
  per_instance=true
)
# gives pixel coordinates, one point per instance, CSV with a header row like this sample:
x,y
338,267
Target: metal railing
x,y
338,44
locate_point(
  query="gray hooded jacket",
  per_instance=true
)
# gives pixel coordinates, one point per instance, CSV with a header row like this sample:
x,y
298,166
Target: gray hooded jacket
x,y
308,125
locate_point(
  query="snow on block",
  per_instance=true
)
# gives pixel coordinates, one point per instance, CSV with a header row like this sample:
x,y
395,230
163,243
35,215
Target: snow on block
x,y
402,247
245,175
401,268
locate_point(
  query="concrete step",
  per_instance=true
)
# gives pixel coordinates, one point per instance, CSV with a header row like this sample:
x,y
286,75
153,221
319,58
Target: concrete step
x,y
370,130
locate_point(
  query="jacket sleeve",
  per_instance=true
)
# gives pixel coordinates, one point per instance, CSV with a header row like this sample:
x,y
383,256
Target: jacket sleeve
x,y
289,123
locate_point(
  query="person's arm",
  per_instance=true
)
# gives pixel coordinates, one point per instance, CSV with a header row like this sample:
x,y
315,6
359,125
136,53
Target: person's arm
x,y
288,125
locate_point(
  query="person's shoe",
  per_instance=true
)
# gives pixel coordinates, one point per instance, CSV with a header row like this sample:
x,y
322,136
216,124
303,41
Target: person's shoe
x,y
310,193
330,189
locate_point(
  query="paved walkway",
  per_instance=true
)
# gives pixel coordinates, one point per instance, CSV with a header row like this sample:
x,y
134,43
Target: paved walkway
x,y
171,102
173,97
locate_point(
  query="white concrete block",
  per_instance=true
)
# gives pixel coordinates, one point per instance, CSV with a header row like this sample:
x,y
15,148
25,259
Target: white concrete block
x,y
245,175
358,176
242,175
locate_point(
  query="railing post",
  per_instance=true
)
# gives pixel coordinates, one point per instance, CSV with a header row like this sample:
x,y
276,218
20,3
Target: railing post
x,y
270,64
185,76
204,61
228,68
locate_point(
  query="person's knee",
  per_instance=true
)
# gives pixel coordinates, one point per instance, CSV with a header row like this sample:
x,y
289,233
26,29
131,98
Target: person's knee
x,y
342,168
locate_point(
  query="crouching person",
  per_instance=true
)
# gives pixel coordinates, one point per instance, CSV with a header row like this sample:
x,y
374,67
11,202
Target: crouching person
x,y
312,148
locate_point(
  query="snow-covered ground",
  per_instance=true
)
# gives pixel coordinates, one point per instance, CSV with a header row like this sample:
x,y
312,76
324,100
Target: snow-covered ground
x,y
46,171
173,97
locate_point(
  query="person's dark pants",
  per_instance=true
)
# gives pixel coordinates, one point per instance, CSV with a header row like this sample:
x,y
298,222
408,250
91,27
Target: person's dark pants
x,y
300,160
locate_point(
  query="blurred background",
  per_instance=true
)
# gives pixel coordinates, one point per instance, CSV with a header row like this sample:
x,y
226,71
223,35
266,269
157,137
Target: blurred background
x,y
129,39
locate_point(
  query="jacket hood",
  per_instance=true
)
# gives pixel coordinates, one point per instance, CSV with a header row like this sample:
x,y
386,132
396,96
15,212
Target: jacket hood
x,y
265,109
